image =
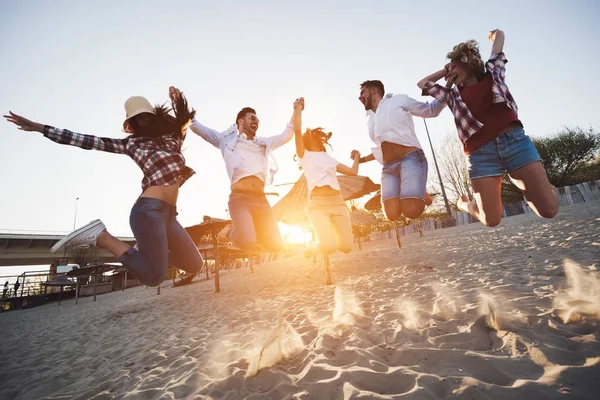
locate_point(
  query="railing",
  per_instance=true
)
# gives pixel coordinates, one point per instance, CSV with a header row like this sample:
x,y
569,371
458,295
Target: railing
x,y
567,195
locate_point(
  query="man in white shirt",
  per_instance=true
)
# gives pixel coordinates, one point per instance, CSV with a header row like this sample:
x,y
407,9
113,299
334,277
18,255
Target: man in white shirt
x,y
397,148
250,165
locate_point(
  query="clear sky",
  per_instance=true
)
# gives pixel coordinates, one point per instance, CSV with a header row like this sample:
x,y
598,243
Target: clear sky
x,y
72,64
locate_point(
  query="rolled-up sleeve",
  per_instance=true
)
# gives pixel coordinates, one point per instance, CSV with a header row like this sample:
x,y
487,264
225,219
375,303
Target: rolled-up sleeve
x,y
436,91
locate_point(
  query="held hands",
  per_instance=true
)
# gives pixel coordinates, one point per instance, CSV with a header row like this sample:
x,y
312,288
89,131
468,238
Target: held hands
x,y
299,104
24,124
354,155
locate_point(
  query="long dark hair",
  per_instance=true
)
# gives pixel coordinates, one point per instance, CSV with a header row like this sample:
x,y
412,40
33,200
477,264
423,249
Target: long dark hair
x,y
318,137
162,123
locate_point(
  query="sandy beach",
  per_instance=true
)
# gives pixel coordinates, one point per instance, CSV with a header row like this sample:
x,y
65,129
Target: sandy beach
x,y
469,312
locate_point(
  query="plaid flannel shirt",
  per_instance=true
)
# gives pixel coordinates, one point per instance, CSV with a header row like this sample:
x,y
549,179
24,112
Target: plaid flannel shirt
x,y
160,159
466,124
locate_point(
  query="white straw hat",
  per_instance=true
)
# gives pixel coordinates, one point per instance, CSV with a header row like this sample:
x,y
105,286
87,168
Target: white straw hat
x,y
136,105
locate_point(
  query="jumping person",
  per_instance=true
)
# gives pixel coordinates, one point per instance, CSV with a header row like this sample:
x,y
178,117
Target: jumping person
x,y
397,148
327,211
154,145
493,138
250,165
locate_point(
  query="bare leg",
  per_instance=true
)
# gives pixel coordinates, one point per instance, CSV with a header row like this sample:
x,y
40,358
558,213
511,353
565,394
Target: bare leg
x,y
107,241
391,207
487,207
542,197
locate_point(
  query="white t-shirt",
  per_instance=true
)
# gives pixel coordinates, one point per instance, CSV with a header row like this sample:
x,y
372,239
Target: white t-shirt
x,y
320,169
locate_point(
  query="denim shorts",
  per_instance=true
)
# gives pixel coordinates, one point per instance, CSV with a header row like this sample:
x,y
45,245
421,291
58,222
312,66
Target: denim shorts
x,y
405,177
507,152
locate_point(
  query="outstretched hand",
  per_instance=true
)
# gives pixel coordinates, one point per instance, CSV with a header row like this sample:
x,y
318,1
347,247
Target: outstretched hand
x,y
23,123
492,35
299,104
174,93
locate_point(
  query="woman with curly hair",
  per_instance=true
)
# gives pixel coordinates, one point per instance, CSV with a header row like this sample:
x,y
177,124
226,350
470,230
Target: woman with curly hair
x,y
327,211
154,145
493,138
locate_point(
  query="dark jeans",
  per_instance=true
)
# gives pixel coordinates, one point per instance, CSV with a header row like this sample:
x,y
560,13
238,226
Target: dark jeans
x,y
253,222
161,240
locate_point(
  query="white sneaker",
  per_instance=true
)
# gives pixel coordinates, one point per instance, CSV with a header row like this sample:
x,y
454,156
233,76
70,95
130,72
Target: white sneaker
x,y
83,237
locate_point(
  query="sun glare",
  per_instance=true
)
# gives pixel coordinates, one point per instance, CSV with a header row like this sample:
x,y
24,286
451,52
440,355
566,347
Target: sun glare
x,y
295,234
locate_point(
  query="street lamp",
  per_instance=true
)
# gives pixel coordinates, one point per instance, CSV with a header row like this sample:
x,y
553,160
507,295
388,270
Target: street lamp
x,y
438,172
75,218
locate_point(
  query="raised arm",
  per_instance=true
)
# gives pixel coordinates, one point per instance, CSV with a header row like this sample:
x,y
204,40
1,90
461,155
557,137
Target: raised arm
x,y
64,136
497,37
353,170
212,136
436,76
288,133
297,122
424,110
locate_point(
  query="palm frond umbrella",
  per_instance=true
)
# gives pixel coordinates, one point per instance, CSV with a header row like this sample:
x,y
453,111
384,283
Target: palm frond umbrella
x,y
89,270
359,217
291,209
61,281
374,203
209,226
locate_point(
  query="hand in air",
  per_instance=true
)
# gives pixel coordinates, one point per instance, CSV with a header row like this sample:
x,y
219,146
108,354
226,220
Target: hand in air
x,y
299,104
23,123
355,154
174,93
492,35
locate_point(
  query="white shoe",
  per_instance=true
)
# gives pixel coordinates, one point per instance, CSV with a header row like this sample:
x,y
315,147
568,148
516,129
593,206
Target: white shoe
x,y
83,237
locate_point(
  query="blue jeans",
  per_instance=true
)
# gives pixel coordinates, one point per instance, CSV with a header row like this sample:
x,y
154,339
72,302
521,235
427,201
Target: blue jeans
x,y
253,222
507,152
161,240
405,177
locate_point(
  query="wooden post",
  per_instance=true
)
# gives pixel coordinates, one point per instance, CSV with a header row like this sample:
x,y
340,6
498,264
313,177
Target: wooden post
x,y
397,232
124,283
158,290
95,283
216,253
60,295
77,290
206,267
327,272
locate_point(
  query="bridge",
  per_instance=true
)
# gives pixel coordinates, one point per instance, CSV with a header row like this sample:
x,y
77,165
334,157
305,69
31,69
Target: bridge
x,y
34,249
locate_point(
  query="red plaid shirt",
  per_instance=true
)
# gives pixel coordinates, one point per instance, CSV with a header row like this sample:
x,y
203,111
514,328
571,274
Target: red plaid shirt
x,y
160,158
466,124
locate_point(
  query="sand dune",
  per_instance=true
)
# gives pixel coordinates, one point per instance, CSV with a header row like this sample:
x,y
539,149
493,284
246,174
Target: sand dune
x,y
468,313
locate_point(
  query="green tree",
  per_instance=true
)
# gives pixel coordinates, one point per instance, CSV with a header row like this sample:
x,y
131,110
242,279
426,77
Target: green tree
x,y
568,154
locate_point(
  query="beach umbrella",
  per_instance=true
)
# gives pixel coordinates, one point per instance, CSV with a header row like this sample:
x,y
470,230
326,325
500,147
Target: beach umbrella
x,y
355,187
359,217
61,281
291,209
374,203
89,270
211,227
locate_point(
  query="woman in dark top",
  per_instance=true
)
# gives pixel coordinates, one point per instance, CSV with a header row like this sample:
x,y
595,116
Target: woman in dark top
x,y
494,141
154,144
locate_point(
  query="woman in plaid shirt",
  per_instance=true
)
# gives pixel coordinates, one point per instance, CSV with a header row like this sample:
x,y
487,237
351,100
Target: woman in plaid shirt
x,y
154,144
494,141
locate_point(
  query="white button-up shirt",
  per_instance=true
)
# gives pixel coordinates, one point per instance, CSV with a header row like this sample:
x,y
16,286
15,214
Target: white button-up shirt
x,y
393,121
245,157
